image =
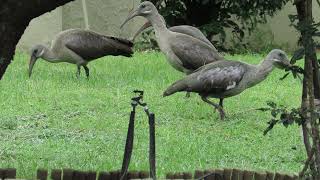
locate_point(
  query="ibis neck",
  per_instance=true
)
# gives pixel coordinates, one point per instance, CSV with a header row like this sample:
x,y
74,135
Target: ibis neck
x,y
261,72
158,24
49,55
265,67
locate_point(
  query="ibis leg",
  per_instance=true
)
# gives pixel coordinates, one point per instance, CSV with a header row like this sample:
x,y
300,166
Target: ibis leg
x,y
188,95
221,102
78,71
87,71
216,106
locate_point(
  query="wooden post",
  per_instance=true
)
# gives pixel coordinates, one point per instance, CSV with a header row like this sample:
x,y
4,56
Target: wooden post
x,y
104,176
79,175
144,174
260,176
56,174
91,175
227,174
248,175
10,173
67,174
270,175
42,174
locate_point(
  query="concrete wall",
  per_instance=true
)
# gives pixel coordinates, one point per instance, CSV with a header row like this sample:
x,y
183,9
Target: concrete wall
x,y
41,30
278,30
105,16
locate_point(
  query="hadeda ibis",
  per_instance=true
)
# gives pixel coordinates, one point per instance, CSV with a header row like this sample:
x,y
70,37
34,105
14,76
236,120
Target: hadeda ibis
x,y
78,46
227,78
184,52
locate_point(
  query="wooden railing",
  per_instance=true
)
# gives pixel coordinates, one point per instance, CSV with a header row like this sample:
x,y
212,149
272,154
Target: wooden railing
x,y
215,174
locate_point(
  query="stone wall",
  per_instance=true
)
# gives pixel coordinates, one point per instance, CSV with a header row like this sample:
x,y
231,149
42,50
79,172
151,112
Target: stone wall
x,y
105,16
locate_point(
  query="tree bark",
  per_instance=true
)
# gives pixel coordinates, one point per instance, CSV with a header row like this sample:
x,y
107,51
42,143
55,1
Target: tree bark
x,y
311,87
15,16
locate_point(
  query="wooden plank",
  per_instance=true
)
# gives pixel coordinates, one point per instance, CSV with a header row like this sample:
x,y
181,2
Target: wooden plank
x,y
104,176
79,175
219,174
187,175
144,174
10,173
115,175
91,175
170,175
236,174
178,175
2,173
248,175
198,174
278,176
210,173
56,174
270,175
227,174
67,174
289,177
42,174
260,176
133,175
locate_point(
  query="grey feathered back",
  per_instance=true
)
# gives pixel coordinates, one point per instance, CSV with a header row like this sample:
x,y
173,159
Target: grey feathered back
x,y
91,45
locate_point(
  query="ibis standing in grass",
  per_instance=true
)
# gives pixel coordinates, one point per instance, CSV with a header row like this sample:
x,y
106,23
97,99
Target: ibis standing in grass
x,y
79,47
184,52
224,79
185,47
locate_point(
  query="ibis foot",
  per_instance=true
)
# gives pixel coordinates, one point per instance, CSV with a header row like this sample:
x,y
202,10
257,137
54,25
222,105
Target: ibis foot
x,y
87,71
188,95
216,106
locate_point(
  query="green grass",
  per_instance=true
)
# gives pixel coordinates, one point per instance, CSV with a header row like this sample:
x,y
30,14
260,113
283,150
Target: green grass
x,y
54,120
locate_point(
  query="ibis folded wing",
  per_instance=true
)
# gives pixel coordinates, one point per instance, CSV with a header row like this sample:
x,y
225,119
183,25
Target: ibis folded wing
x,y
192,52
90,45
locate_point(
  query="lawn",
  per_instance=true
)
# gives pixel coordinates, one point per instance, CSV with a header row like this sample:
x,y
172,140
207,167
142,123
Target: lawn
x,y
54,120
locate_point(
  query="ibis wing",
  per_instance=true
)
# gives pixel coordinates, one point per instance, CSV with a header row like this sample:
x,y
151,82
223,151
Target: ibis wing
x,y
90,45
194,32
220,76
192,52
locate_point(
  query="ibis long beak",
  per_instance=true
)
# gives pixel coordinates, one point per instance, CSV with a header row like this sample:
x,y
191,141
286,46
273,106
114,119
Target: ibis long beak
x,y
145,26
131,15
33,60
284,63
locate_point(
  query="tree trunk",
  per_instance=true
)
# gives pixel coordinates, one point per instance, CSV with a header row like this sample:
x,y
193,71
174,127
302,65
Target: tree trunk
x,y
15,16
311,89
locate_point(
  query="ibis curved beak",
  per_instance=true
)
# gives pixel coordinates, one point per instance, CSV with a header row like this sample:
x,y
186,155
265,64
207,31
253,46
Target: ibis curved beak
x,y
131,15
145,26
33,60
282,64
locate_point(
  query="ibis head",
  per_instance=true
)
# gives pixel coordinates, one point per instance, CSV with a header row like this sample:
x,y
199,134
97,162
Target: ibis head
x,y
145,9
279,58
36,52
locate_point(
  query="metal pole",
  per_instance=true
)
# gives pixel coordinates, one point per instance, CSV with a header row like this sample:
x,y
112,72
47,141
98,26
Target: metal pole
x,y
152,147
85,14
129,143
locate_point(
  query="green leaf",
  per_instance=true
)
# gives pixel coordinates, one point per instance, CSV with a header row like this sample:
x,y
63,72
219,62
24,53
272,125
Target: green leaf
x,y
285,76
272,104
298,54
